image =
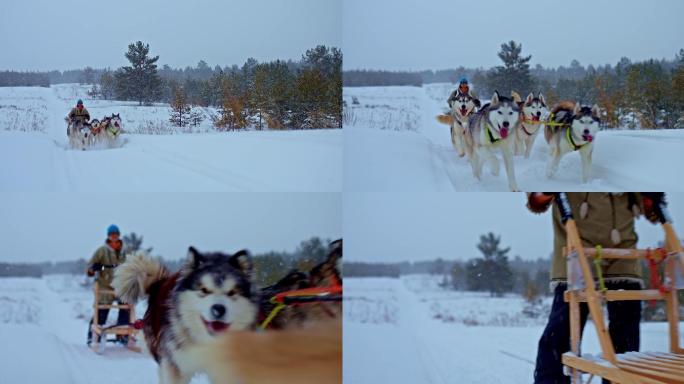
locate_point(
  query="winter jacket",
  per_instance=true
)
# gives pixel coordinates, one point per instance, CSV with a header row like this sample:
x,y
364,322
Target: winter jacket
x,y
606,211
77,114
106,255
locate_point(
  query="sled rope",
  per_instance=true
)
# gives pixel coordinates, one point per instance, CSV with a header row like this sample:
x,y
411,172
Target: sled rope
x,y
654,261
301,296
598,261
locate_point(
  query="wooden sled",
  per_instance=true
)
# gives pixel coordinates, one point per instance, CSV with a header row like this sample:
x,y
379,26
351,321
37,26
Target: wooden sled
x,y
631,367
100,332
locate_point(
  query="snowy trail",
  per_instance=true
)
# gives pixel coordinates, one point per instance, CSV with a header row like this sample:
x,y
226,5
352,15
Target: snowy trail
x,y
417,347
40,161
421,157
50,346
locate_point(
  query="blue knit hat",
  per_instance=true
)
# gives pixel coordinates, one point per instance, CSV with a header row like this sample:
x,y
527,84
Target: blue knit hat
x,y
112,229
463,81
79,102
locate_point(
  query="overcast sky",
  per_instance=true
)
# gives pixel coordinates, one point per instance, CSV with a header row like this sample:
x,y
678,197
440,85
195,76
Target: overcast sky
x,y
68,34
440,34
60,226
393,227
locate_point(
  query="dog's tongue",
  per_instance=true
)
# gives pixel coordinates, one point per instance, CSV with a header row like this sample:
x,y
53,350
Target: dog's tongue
x,y
535,118
463,111
217,326
504,132
588,138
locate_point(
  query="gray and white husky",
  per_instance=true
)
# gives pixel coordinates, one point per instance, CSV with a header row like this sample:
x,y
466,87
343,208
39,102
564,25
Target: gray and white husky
x,y
461,108
532,110
492,128
575,128
212,294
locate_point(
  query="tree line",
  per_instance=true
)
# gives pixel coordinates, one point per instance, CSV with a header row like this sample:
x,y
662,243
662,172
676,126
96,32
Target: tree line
x,y
646,94
275,94
269,266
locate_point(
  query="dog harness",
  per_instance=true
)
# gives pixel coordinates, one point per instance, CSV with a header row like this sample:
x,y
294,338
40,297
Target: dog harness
x,y
574,145
489,132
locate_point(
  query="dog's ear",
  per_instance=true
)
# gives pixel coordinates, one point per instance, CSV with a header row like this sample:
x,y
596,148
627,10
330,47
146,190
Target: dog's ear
x,y
541,98
516,97
596,111
242,261
578,108
495,98
529,98
195,258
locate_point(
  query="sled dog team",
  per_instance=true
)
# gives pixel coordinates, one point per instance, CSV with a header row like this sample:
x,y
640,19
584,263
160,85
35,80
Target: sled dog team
x,y
511,126
83,133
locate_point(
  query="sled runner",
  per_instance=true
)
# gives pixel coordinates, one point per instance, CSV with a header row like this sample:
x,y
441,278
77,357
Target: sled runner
x,y
100,331
631,367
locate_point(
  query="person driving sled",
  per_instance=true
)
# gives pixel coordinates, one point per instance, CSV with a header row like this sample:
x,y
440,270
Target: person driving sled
x,y
463,89
103,262
79,113
605,219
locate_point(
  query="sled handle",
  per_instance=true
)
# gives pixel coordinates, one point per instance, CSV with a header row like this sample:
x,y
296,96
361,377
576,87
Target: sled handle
x,y
659,206
564,206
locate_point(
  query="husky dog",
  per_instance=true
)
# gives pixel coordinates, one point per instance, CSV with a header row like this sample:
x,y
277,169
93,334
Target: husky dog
x,y
77,131
212,294
461,107
574,129
489,129
531,111
306,348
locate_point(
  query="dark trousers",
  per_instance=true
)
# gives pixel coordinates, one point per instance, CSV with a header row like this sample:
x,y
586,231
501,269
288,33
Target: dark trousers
x,y
623,320
102,318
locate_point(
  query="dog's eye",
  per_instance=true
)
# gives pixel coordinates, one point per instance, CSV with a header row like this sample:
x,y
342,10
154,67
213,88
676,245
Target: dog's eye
x,y
205,291
232,293
499,112
510,113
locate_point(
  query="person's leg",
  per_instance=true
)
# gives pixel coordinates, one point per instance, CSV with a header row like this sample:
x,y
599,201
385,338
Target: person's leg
x,y
624,318
101,319
555,341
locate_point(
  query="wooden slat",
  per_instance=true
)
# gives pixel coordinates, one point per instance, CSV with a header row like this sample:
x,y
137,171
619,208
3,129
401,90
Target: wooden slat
x,y
618,253
120,306
651,361
666,371
619,295
652,373
605,370
667,356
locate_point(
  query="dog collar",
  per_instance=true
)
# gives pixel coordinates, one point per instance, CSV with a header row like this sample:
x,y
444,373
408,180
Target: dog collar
x,y
571,141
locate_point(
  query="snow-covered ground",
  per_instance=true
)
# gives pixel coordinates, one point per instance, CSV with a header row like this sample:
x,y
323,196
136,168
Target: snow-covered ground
x,y
397,331
43,324
392,142
34,154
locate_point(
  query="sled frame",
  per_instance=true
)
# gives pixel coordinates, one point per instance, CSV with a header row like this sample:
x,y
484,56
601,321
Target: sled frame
x,y
631,367
100,333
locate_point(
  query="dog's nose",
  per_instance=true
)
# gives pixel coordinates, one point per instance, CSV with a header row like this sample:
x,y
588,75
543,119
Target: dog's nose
x,y
586,131
538,113
505,124
218,310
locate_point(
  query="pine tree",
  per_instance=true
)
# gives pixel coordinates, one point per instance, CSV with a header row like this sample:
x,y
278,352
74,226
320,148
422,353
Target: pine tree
x,y
514,75
180,110
139,81
492,272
